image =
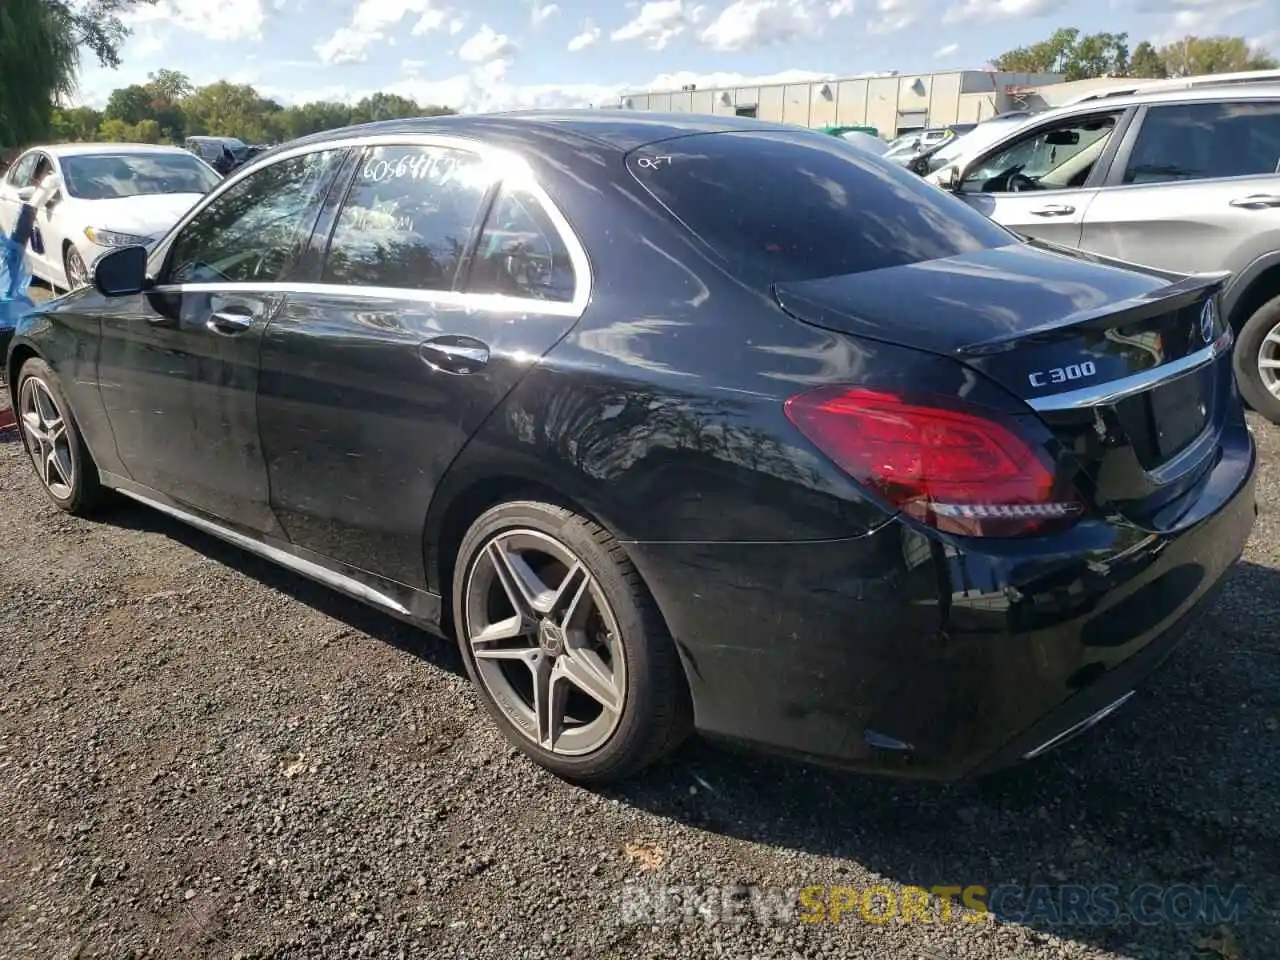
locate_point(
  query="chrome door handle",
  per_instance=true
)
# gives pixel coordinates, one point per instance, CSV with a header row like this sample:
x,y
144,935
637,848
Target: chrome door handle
x,y
1257,201
1054,210
454,354
228,324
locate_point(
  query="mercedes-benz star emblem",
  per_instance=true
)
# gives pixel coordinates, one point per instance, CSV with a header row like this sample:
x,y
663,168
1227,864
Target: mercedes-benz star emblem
x,y
1208,321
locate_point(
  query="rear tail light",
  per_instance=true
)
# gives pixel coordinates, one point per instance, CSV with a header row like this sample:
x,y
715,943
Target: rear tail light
x,y
960,468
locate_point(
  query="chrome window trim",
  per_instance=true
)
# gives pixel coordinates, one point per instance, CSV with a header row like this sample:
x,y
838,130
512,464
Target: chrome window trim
x,y
495,302
1117,390
512,170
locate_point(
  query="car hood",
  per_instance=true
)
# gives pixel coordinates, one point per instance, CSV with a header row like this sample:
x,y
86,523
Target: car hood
x,y
146,216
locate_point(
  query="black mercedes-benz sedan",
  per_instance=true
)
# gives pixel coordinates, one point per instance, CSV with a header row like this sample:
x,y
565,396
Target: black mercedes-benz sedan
x,y
674,423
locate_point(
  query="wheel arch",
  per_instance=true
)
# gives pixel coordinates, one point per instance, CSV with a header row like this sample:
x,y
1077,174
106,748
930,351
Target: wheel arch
x,y
1252,287
20,354
457,505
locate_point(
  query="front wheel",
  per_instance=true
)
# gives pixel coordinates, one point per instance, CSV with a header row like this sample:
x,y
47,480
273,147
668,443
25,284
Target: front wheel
x,y
52,438
564,644
77,272
1257,360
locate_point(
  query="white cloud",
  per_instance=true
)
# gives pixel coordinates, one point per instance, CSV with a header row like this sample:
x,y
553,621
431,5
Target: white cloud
x,y
589,37
894,15
488,88
978,11
225,20
1195,17
540,12
746,24
487,44
840,8
943,52
658,22
371,22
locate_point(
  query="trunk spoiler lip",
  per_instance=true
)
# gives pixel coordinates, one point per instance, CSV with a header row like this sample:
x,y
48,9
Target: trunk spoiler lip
x,y
1172,296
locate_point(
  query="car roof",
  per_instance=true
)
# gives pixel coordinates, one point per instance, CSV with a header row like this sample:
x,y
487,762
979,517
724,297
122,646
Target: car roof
x,y
1225,91
83,149
619,129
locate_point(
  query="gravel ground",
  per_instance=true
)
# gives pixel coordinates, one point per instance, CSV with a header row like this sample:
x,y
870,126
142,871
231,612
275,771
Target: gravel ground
x,y
204,756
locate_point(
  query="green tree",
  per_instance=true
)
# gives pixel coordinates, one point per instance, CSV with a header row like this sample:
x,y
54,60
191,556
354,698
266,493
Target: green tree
x,y
37,67
1068,52
169,85
1195,56
132,104
1147,62
40,44
75,123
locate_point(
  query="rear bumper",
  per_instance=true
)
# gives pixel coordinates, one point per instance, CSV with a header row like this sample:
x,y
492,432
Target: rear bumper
x,y
899,653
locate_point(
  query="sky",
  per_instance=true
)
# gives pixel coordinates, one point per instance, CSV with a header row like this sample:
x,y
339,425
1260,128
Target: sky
x,y
506,54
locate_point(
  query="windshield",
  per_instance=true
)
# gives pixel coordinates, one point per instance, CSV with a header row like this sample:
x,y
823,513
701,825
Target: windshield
x,y
975,139
909,143
113,176
778,208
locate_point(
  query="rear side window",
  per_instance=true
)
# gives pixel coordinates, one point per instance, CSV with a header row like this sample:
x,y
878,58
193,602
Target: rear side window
x,y
1201,141
521,253
408,218
786,207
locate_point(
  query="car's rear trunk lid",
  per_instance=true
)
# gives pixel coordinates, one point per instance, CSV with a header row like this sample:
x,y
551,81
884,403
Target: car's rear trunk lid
x,y
1129,369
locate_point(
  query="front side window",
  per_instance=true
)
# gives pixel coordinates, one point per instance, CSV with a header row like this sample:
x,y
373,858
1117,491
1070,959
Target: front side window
x,y
1057,157
256,229
521,253
20,175
408,218
1199,141
785,207
113,176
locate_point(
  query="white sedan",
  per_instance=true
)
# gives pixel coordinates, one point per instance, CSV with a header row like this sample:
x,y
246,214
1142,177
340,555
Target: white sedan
x,y
108,195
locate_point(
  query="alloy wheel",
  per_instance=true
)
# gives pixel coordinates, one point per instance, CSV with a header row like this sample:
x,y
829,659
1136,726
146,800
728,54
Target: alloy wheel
x,y
545,641
47,438
1269,361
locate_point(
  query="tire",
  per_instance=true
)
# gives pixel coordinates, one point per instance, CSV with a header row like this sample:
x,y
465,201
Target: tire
x,y
613,636
1258,343
71,262
52,440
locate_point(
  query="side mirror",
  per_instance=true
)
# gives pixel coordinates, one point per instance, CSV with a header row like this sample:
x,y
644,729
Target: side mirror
x,y
122,272
25,194
949,178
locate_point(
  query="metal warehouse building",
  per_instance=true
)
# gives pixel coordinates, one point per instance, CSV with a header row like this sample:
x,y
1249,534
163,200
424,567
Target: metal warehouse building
x,y
891,103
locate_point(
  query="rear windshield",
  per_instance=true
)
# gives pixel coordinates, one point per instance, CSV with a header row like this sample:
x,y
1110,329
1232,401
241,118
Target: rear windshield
x,y
783,207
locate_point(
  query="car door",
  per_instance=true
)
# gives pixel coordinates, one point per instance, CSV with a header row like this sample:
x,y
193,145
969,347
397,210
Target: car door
x,y
178,365
17,177
1040,181
40,251
375,376
1196,188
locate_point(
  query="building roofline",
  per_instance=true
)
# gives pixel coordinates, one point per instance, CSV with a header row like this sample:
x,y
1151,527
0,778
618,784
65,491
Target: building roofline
x,y
883,75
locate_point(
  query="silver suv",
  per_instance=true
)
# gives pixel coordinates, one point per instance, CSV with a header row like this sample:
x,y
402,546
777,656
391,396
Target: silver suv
x,y
1183,180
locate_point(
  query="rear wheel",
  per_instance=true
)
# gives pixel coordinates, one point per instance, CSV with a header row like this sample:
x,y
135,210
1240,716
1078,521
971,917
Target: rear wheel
x,y
50,434
1257,360
564,644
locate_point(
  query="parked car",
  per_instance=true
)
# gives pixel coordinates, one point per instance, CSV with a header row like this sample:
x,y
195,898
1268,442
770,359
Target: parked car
x,y
224,154
967,143
1185,180
906,148
849,471
110,195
